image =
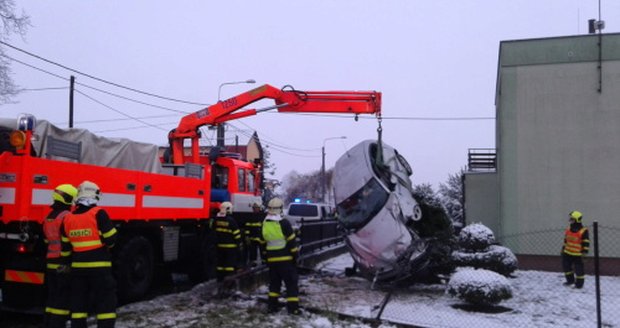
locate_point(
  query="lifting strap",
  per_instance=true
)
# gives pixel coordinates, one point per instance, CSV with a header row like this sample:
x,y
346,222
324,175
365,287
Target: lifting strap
x,y
379,154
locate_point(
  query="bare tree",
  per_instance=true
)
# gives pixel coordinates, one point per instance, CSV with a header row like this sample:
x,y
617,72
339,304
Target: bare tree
x,y
11,24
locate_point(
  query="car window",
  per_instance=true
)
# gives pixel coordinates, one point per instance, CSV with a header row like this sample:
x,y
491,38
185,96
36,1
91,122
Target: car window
x,y
303,210
355,211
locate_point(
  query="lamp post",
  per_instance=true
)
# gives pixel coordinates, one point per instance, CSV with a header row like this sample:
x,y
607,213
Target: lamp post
x,y
323,182
220,128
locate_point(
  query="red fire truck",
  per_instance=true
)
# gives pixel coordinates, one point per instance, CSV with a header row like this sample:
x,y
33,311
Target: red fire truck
x,y
160,206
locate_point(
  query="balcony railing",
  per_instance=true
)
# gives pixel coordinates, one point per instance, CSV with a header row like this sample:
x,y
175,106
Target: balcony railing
x,y
482,159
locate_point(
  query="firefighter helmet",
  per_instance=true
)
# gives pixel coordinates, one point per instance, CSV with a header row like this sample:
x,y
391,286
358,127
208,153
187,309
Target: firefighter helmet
x,y
275,206
65,193
226,208
89,190
576,215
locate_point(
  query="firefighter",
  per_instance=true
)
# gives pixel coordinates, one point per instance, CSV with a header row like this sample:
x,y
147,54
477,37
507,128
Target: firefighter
x,y
576,245
253,227
280,252
228,239
87,236
57,302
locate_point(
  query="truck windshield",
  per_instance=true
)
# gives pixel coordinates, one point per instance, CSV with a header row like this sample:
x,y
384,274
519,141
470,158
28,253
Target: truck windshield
x,y
355,211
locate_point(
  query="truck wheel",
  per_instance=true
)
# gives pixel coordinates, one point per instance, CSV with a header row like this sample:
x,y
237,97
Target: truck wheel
x,y
134,269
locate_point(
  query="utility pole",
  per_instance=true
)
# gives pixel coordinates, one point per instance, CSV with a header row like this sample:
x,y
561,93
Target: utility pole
x,y
323,182
71,88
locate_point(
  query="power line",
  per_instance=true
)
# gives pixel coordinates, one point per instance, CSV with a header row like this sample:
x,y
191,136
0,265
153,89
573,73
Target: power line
x,y
99,79
118,111
94,88
274,143
407,118
43,89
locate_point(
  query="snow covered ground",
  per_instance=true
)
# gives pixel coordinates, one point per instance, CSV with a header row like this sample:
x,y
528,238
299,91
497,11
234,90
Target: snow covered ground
x,y
539,300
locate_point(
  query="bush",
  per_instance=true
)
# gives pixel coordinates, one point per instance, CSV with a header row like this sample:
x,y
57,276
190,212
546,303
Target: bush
x,y
479,287
476,237
497,258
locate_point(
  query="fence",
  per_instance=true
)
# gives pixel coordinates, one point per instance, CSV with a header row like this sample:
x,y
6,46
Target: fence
x,y
318,234
539,297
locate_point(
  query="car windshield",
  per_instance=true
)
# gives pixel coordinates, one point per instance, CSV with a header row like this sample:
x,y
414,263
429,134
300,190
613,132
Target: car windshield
x,y
355,211
303,210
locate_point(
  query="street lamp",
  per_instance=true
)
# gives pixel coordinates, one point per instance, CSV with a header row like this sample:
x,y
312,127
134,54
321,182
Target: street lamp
x,y
220,128
323,182
219,90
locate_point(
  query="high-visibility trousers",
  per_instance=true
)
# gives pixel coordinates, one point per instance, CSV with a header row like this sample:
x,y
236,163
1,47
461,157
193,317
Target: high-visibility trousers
x,y
57,302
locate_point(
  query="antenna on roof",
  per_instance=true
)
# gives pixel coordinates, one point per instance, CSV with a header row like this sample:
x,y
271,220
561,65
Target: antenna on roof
x,y
596,25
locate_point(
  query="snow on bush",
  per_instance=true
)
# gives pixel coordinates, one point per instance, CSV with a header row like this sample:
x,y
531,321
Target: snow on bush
x,y
476,237
479,287
497,258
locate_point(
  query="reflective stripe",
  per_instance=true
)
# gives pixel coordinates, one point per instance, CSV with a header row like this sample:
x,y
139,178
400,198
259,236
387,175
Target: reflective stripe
x,y
53,266
568,273
99,264
103,316
256,224
272,294
79,315
64,239
280,259
86,243
24,277
227,245
291,237
56,311
7,196
292,299
171,202
225,269
42,197
294,250
65,254
109,233
273,245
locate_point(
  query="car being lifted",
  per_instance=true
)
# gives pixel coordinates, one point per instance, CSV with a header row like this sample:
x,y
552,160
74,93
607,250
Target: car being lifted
x,y
390,235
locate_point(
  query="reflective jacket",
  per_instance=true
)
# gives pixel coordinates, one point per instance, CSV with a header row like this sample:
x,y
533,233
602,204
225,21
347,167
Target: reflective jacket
x,y
51,230
576,242
278,242
227,233
86,236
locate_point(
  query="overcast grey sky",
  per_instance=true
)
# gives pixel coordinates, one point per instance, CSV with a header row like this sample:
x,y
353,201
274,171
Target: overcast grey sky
x,y
430,59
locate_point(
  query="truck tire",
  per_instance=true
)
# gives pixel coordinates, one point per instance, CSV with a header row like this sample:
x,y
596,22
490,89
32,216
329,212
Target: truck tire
x,y
134,269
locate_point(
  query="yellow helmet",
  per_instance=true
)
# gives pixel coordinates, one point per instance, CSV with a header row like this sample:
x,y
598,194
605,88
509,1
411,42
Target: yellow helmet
x,y
88,189
65,193
275,206
576,215
226,207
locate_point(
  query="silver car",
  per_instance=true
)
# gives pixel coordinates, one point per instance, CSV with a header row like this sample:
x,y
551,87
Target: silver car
x,y
376,207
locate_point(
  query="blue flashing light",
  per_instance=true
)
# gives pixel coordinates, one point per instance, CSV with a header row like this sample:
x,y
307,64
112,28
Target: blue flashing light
x,y
297,200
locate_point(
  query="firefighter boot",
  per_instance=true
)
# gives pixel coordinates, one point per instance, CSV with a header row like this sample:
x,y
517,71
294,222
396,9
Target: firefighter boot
x,y
570,278
272,302
579,281
292,305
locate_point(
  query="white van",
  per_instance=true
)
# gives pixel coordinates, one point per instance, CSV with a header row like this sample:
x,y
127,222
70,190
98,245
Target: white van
x,y
308,212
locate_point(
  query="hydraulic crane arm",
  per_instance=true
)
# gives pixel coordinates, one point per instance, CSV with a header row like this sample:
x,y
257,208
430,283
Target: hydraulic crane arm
x,y
287,100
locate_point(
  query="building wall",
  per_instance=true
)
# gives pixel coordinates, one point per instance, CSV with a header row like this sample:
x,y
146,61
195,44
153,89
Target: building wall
x,y
558,139
481,199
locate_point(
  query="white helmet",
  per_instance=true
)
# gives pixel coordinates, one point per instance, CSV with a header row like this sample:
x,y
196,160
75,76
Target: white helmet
x,y
88,190
226,208
275,206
